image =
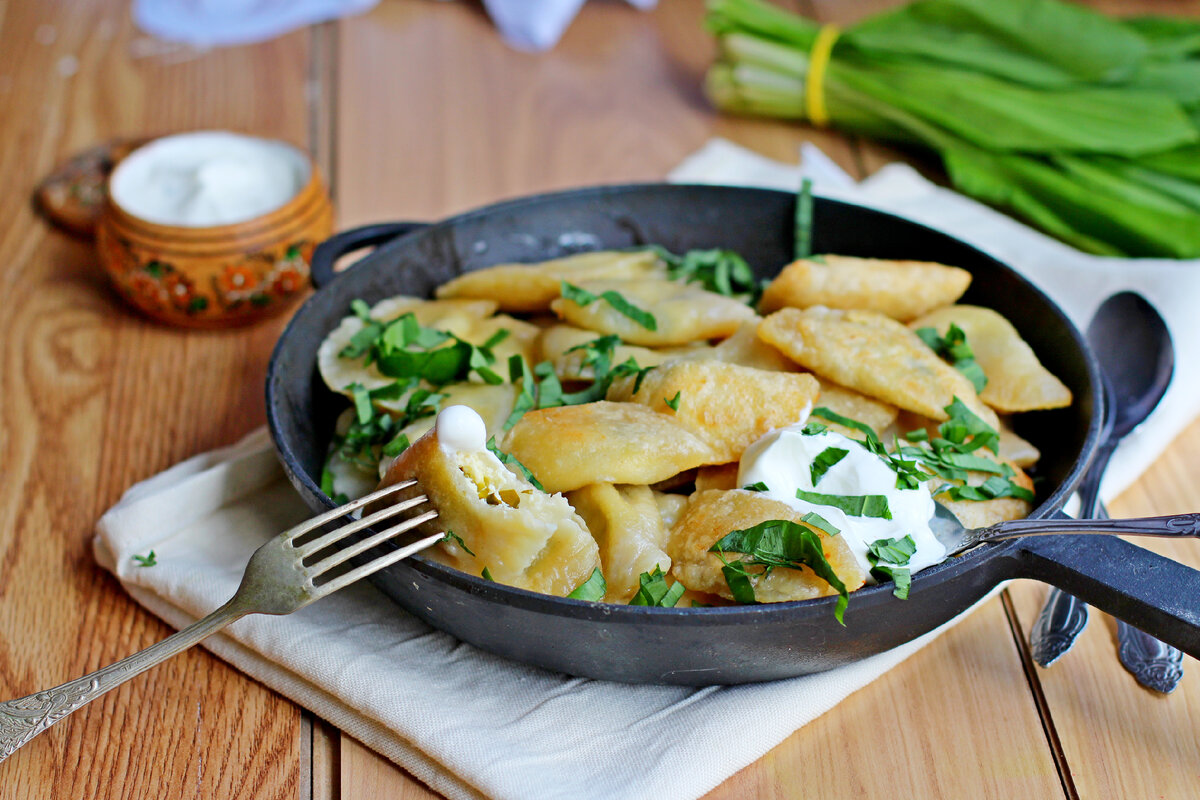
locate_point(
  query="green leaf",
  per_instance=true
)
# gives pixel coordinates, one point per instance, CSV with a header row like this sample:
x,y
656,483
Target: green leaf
x,y
757,486
397,446
628,309
724,272
592,589
817,521
774,544
830,415
451,536
653,590
146,560
894,551
510,460
804,218
861,505
363,409
580,297
487,575
738,580
673,403
824,460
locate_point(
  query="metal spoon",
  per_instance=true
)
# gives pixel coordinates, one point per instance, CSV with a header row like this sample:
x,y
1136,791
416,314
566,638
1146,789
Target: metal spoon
x,y
1137,360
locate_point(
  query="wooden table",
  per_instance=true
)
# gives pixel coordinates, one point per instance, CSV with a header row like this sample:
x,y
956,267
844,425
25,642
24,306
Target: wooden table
x,y
417,110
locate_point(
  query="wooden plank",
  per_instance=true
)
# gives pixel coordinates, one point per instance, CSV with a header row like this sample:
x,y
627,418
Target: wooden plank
x,y
1122,740
96,399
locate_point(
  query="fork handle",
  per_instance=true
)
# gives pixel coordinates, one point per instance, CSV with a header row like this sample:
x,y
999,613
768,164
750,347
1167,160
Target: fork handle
x,y
26,717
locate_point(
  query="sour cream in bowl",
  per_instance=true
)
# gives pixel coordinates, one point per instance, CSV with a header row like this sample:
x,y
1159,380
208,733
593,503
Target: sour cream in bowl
x,y
212,228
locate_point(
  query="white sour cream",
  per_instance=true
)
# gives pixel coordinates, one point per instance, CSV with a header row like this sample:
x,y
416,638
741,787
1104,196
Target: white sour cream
x,y
782,459
460,428
208,178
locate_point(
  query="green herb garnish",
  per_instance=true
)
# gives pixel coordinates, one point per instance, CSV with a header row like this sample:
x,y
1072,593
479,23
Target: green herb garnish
x,y
953,348
510,460
804,220
147,560
451,536
487,575
817,521
721,271
592,589
673,403
583,297
653,590
826,459
773,544
757,486
856,505
896,553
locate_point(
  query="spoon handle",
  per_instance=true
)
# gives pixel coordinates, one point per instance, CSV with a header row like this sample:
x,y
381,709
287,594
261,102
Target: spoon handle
x,y
1062,619
1174,526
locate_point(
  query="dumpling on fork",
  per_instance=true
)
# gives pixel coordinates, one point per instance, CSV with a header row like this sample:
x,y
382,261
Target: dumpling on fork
x,y
499,520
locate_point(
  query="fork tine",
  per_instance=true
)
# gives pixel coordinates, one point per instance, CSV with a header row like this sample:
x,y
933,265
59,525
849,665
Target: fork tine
x,y
323,541
341,511
332,560
378,563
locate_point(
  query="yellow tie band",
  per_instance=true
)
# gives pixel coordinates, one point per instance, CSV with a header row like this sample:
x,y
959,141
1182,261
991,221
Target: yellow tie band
x,y
818,61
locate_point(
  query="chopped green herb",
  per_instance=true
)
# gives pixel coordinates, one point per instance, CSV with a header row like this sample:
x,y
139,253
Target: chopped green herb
x,y
147,560
451,536
953,348
487,575
721,271
829,415
510,460
918,435
964,423
396,446
654,590
817,521
363,410
361,309
772,544
896,554
814,429
622,306
860,505
824,460
592,589
804,220
673,403
757,486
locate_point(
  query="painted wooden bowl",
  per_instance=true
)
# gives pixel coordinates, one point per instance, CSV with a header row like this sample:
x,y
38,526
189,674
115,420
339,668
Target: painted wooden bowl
x,y
215,275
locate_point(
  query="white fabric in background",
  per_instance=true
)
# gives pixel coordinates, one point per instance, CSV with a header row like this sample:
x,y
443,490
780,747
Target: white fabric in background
x,y
466,723
1078,282
531,25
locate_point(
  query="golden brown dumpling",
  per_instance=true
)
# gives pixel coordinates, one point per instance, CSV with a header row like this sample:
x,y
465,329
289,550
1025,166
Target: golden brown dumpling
x,y
572,446
900,289
727,405
629,530
713,514
531,287
524,537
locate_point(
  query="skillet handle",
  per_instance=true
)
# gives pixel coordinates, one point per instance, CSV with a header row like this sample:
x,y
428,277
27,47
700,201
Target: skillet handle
x,y
329,251
1150,592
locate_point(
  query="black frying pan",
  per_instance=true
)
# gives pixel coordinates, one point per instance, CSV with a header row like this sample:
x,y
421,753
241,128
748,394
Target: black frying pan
x,y
744,643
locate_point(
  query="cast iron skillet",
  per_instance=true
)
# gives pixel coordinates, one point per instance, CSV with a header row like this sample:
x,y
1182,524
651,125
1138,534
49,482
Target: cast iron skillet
x,y
746,643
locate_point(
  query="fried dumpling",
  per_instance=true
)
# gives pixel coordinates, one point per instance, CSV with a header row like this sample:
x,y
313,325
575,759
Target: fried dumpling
x,y
531,287
569,447
524,537
873,354
681,312
627,526
1016,380
727,405
712,514
900,289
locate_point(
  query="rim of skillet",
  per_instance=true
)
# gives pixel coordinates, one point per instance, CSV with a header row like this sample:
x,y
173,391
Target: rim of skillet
x,y
616,613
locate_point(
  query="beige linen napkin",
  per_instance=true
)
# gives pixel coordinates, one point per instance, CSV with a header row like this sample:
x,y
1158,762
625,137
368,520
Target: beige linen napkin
x,y
465,722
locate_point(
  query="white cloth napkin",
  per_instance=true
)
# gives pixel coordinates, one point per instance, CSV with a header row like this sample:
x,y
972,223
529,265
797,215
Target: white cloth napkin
x,y
466,723
531,25
1077,281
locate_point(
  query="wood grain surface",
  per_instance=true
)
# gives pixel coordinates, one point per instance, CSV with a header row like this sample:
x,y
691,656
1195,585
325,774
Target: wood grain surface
x,y
415,111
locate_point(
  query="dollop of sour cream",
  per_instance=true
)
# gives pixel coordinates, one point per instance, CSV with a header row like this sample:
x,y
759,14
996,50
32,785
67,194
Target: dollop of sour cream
x,y
460,428
208,178
782,459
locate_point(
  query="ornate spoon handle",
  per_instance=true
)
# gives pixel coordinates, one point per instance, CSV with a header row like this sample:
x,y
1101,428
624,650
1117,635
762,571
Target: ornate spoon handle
x,y
26,717
1062,619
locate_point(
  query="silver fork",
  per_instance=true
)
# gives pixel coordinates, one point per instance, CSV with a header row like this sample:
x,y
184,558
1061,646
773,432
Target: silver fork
x,y
276,581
